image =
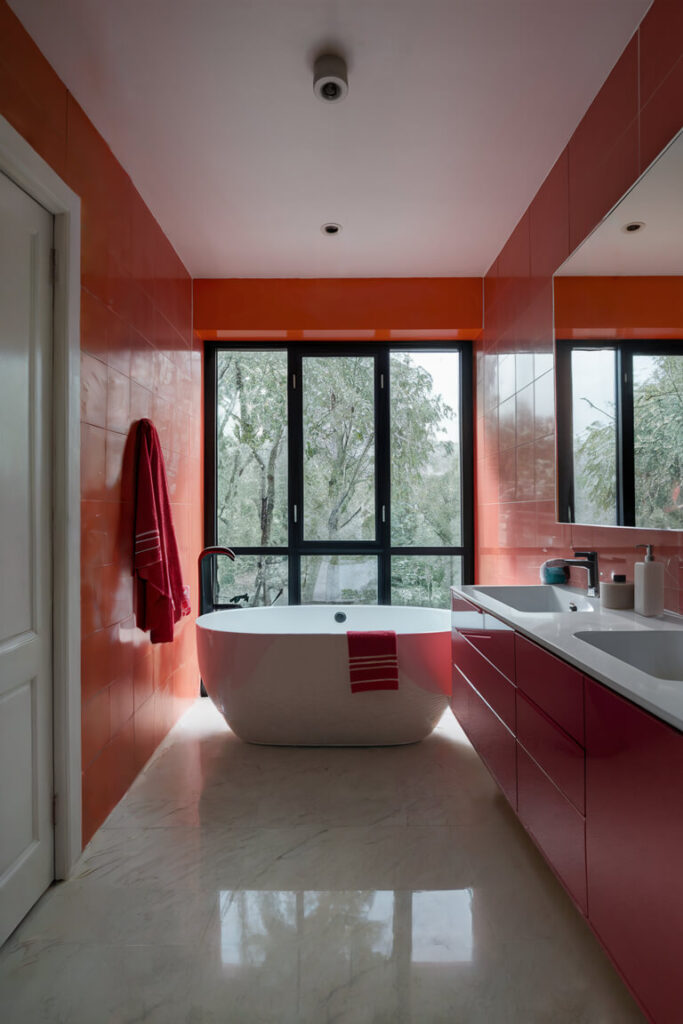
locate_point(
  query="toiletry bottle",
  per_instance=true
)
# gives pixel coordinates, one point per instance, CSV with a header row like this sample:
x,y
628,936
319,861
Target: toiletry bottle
x,y
649,584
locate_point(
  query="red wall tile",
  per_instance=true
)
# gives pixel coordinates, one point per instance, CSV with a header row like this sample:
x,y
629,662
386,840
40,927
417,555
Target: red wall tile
x,y
660,33
616,139
136,340
662,116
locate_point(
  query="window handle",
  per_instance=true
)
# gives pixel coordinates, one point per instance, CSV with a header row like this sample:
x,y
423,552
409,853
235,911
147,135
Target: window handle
x,y
295,514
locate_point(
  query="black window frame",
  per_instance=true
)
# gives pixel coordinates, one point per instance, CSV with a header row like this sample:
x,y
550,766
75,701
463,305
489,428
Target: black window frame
x,y
381,546
624,351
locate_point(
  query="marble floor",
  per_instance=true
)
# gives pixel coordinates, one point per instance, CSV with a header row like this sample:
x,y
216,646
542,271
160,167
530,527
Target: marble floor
x,y
236,883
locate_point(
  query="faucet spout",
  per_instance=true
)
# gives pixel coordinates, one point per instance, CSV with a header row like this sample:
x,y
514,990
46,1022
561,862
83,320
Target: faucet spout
x,y
207,574
587,560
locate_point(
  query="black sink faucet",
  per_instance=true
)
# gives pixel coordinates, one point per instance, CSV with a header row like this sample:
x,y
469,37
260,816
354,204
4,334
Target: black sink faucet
x,y
587,560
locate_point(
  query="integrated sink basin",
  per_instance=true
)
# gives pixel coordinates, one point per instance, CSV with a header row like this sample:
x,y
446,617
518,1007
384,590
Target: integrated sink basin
x,y
542,598
658,652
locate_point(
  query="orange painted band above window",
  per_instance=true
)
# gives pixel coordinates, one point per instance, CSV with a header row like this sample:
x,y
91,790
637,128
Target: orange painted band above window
x,y
372,309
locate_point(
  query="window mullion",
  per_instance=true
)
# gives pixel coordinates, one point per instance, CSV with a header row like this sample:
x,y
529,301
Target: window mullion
x,y
382,474
626,488
295,445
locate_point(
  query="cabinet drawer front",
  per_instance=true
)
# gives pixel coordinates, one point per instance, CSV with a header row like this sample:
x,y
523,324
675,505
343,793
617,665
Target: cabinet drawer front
x,y
492,740
496,690
491,637
554,686
558,755
556,826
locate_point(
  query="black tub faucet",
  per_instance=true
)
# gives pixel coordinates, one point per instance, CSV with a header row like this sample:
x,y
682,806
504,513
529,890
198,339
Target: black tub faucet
x,y
204,565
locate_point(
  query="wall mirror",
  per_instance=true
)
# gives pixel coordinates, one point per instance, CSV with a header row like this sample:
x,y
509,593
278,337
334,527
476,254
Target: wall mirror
x,y
619,360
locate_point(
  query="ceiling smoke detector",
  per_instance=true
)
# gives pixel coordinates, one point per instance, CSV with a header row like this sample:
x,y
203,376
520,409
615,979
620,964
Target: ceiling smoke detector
x,y
330,228
330,81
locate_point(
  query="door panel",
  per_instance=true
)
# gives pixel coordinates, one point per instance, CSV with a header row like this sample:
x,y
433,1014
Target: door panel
x,y
26,832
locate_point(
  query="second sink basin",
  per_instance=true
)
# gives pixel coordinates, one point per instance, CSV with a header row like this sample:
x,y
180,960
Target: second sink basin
x,y
542,598
659,652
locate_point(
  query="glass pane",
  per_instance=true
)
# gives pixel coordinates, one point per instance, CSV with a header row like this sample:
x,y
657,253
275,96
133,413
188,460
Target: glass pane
x,y
251,442
253,580
595,436
658,440
424,580
339,448
339,579
425,449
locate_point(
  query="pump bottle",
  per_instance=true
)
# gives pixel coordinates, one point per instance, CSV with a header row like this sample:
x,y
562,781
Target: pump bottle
x,y
648,577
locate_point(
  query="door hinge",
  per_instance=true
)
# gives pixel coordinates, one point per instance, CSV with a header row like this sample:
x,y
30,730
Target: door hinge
x,y
53,266
54,809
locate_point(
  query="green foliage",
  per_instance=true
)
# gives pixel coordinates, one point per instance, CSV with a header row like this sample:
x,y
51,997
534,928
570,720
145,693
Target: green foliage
x,y
339,470
658,451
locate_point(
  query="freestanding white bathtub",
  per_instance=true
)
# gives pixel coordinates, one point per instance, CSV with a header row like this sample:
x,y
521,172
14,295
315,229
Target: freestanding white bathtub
x,y
281,675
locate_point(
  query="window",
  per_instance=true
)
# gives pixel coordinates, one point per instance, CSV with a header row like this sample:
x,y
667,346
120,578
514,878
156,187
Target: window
x,y
620,433
339,474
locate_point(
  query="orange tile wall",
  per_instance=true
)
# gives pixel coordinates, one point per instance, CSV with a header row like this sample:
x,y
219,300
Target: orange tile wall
x,y
361,309
619,307
636,113
137,360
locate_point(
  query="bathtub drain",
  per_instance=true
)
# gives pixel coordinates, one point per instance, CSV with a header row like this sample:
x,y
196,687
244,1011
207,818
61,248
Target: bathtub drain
x,y
340,617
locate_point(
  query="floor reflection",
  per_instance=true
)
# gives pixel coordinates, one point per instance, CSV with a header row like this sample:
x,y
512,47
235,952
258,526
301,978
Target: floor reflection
x,y
265,885
419,927
304,946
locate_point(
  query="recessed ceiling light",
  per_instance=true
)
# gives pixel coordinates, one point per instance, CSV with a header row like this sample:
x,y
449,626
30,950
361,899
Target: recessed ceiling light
x,y
633,226
330,228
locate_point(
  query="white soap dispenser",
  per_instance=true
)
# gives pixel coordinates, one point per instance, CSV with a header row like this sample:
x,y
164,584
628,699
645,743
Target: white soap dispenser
x,y
648,577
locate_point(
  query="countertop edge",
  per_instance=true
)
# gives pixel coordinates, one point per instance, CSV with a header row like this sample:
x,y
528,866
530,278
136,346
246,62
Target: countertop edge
x,y
556,633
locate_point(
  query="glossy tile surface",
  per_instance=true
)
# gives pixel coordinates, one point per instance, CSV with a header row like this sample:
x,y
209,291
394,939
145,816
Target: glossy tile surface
x,y
638,110
259,884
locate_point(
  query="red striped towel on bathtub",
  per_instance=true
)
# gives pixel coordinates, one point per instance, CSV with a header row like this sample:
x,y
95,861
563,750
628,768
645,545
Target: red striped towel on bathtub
x,y
373,664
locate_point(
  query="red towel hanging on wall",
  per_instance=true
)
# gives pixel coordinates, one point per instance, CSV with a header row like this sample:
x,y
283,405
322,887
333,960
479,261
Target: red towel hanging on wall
x,y
161,598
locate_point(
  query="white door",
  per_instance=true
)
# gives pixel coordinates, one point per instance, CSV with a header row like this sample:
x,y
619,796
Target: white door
x,y
26,830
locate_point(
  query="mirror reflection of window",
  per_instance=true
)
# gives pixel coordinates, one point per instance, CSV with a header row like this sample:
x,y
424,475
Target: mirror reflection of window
x,y
619,360
620,412
594,432
658,441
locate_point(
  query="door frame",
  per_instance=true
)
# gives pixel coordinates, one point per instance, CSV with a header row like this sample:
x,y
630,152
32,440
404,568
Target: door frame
x,y
20,162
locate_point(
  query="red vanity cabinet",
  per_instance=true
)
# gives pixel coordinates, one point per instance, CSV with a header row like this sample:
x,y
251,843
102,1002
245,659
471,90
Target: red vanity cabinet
x,y
634,847
598,784
552,685
483,697
554,823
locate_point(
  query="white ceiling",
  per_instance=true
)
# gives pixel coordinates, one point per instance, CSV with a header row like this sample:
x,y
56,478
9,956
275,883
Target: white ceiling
x,y
456,111
655,201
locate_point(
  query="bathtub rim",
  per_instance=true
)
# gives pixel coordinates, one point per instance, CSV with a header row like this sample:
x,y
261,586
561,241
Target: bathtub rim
x,y
201,623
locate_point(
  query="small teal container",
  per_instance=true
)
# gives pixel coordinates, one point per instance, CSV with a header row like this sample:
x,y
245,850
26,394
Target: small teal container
x,y
555,574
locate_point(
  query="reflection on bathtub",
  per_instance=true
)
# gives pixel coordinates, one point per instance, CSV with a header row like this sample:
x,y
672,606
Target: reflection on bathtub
x,y
366,928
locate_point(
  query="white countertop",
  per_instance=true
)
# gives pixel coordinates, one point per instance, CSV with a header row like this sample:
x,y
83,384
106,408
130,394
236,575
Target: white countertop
x,y
556,632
